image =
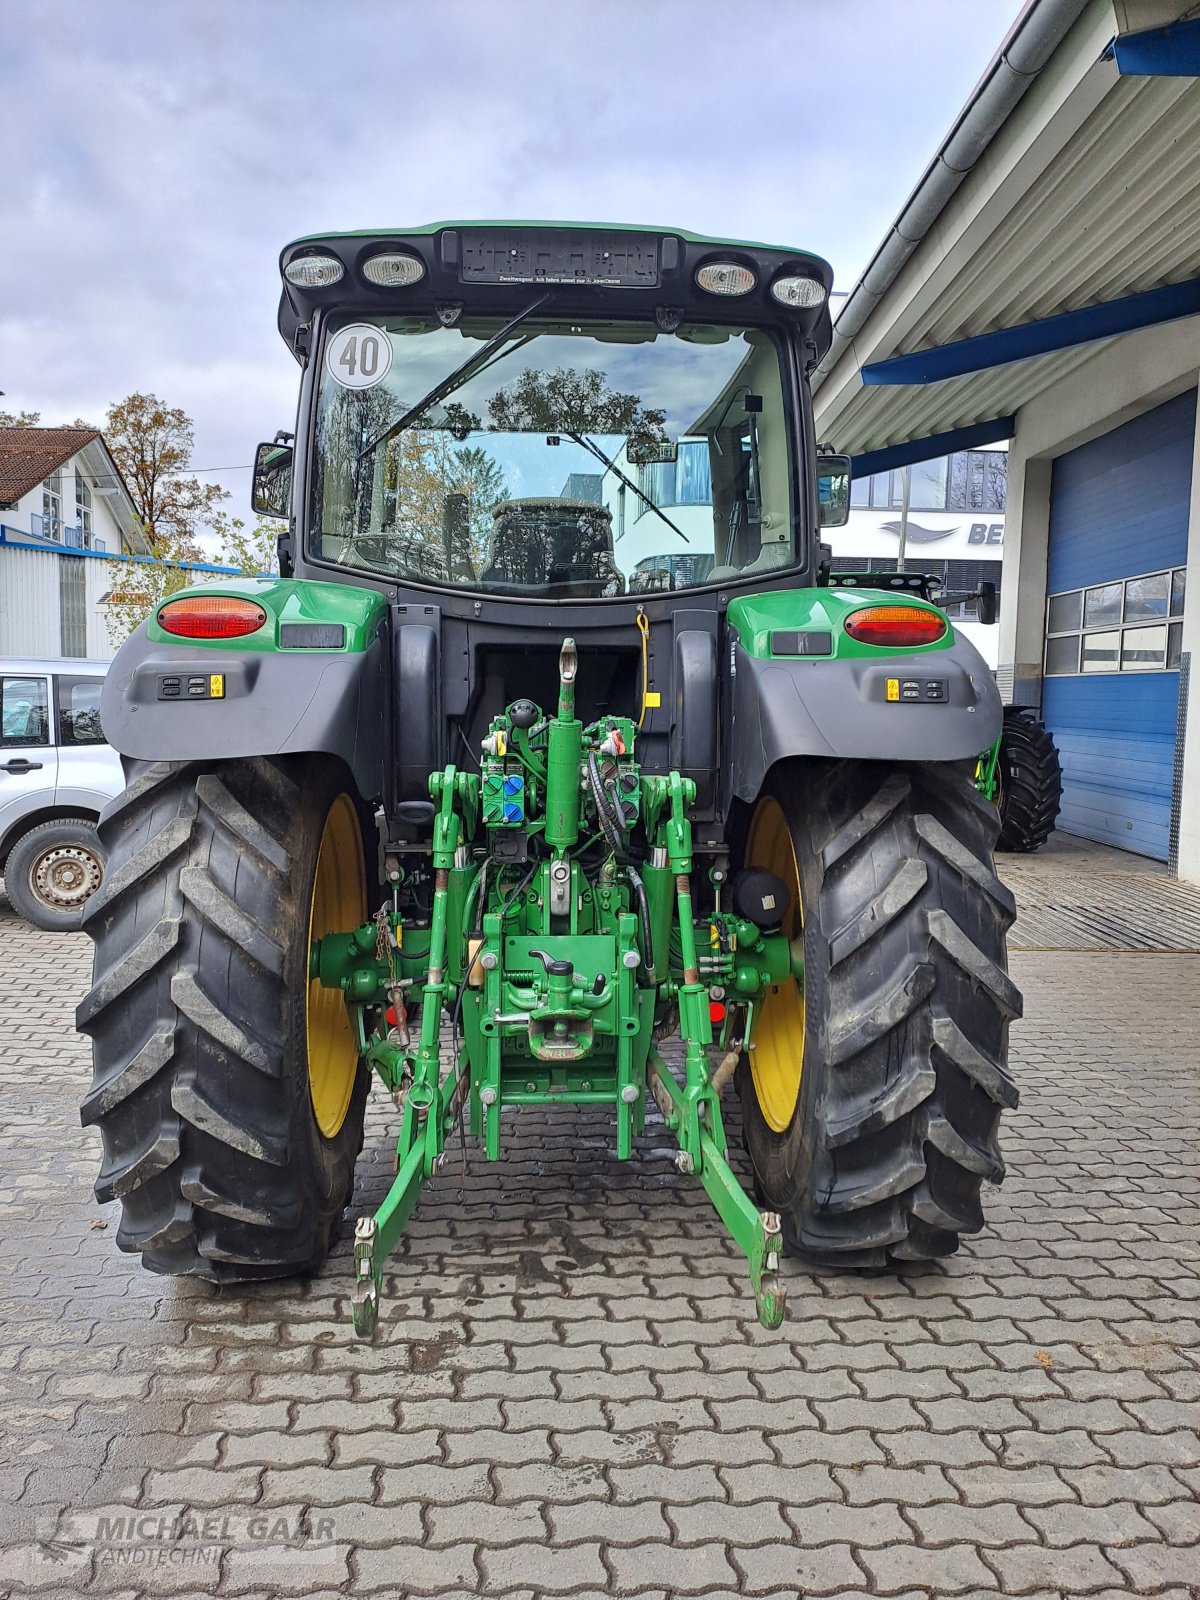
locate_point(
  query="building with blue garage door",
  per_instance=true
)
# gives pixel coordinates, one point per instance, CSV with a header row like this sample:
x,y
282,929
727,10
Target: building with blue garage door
x,y
1116,579
1042,286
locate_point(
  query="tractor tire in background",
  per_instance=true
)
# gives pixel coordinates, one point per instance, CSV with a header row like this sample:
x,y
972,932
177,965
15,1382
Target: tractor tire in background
x,y
1030,782
230,1098
872,1096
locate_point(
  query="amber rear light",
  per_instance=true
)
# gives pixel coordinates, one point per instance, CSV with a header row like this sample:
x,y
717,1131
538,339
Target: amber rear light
x,y
896,625
216,616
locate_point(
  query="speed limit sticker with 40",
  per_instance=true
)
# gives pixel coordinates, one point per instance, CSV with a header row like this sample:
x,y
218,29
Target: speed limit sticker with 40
x,y
360,356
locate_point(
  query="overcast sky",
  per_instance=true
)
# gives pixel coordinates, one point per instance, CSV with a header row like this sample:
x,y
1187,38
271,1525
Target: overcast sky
x,y
155,155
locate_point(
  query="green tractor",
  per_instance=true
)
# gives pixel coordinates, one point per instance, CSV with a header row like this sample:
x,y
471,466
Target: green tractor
x,y
552,743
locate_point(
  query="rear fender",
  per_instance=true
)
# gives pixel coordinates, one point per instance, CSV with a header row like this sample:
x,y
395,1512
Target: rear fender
x,y
311,680
937,702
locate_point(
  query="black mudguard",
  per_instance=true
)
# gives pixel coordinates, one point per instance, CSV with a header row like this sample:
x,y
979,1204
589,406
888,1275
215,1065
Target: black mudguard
x,y
840,708
275,702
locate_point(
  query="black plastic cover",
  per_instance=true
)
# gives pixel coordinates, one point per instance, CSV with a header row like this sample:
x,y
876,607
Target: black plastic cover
x,y
517,255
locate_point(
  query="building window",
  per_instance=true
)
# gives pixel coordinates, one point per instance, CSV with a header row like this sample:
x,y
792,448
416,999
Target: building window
x,y
83,509
969,480
1133,625
686,481
52,507
72,606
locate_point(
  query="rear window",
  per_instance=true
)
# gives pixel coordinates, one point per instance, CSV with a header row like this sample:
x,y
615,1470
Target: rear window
x,y
24,711
79,711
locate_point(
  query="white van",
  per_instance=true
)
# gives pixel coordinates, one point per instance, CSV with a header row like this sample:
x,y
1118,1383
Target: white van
x,y
56,776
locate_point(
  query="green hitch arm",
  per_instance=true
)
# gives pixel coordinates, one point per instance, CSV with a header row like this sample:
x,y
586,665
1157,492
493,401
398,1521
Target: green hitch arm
x,y
987,774
422,1132
756,1233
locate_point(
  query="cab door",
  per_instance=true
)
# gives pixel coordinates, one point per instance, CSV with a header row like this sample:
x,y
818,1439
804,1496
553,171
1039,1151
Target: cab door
x,y
28,757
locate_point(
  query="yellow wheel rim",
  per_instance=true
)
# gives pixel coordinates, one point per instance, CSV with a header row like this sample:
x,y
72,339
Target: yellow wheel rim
x,y
777,1060
339,905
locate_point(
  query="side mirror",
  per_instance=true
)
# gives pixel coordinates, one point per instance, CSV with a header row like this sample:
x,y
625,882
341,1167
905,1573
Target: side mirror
x,y
988,609
271,491
833,490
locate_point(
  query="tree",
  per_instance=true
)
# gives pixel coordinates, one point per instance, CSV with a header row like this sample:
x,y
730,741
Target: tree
x,y
573,402
152,446
20,419
252,548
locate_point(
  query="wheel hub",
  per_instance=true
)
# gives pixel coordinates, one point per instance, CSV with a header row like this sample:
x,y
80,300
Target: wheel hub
x,y
65,876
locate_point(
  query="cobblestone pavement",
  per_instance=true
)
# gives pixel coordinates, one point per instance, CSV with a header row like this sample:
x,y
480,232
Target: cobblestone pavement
x,y
571,1396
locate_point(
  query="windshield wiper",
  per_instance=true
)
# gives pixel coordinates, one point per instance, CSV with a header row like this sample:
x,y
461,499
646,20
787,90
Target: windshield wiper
x,y
453,380
590,444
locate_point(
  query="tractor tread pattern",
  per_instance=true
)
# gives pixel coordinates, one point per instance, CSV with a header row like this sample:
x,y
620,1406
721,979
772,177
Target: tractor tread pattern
x,y
1031,782
206,1142
910,1003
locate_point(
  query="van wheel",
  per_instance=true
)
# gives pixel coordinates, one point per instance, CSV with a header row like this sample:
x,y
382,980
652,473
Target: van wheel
x,y
52,872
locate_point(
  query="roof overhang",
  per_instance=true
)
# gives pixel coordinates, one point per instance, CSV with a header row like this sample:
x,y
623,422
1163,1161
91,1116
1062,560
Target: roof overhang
x,y
1074,220
98,460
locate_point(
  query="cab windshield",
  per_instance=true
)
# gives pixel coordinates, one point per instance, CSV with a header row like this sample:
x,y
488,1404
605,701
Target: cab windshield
x,y
529,457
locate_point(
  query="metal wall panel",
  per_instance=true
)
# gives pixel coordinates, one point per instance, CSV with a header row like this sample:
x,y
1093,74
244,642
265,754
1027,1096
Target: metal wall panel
x,y
1119,505
29,616
1116,737
101,575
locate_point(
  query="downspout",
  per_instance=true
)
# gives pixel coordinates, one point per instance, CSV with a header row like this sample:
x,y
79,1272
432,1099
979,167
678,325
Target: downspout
x,y
1031,41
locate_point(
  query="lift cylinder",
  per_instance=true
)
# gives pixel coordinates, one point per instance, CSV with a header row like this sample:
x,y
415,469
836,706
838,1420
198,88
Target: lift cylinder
x,y
563,752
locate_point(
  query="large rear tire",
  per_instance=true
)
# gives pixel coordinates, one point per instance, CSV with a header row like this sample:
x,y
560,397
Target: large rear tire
x,y
871,1100
1030,776
229,1098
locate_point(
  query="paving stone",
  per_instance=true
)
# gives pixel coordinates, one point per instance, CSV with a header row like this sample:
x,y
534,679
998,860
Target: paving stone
x,y
673,1486
1014,1485
955,1569
771,1567
437,1486
905,1486
310,1485
846,1449
494,1525
801,1486
579,1521
1178,1522
277,1449
650,1566
759,1523
410,1569
1178,1449
1076,1570
1111,1524
273,1566
828,1522
978,1525
393,1447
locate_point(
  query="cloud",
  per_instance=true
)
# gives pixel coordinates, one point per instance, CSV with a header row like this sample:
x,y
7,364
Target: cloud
x,y
158,154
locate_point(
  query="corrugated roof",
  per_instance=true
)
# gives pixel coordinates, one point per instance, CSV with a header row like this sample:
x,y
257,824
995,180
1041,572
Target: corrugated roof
x,y
1110,209
29,455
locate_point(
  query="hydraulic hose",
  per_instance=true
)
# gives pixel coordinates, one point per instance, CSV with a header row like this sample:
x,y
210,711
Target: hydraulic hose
x,y
610,826
644,917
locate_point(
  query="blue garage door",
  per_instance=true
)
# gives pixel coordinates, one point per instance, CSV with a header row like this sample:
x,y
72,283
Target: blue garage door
x,y
1118,546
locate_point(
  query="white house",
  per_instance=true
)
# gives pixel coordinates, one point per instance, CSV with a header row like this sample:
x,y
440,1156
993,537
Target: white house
x,y
66,517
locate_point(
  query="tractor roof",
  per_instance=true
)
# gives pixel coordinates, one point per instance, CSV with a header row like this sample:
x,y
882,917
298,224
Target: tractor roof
x,y
666,263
